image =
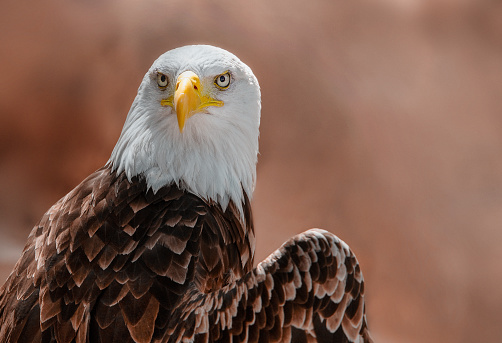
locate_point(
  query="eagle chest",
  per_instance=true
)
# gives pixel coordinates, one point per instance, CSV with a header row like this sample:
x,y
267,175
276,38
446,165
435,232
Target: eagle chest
x,y
190,241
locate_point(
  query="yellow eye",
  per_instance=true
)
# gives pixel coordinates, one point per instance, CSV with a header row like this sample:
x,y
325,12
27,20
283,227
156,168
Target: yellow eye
x,y
223,80
162,80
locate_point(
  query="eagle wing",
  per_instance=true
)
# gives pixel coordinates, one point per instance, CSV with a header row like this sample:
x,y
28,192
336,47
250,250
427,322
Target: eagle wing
x,y
311,289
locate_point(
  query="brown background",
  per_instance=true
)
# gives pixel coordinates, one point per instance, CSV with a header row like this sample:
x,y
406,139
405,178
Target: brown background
x,y
381,122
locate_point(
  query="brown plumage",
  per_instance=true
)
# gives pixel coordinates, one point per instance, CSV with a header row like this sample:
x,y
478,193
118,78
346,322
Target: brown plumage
x,y
112,261
116,261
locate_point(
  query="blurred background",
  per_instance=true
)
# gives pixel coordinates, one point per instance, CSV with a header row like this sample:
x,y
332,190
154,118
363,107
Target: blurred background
x,y
381,122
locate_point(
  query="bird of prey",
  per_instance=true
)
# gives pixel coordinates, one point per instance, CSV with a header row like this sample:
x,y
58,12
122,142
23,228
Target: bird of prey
x,y
158,245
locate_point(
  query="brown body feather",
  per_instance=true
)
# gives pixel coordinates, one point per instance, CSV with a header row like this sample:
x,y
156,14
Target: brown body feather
x,y
115,262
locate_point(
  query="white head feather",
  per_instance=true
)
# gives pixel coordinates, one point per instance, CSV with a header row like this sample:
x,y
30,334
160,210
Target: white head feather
x,y
215,156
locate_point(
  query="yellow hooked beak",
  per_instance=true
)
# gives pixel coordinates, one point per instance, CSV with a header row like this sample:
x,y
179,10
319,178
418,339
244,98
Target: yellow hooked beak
x,y
189,98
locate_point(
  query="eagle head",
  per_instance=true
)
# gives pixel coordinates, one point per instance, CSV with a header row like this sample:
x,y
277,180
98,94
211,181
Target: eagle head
x,y
195,123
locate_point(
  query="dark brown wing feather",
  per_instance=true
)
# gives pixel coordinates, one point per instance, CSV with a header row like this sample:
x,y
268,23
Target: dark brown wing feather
x,y
112,260
311,289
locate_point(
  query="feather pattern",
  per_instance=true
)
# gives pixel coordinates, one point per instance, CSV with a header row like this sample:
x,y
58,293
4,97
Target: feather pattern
x,y
320,307
141,266
113,259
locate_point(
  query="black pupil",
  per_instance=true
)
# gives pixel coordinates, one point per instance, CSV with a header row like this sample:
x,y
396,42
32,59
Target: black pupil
x,y
163,78
222,78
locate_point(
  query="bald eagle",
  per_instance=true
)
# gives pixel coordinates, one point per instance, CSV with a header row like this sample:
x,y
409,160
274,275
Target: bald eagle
x,y
158,245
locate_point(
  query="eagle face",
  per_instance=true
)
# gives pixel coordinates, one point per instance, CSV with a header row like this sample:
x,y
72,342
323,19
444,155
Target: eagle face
x,y
222,88
194,122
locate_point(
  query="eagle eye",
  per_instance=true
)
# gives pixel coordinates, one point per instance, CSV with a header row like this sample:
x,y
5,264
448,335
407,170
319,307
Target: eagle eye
x,y
162,80
223,80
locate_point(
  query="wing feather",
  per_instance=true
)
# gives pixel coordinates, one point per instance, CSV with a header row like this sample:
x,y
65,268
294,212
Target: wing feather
x,y
311,287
